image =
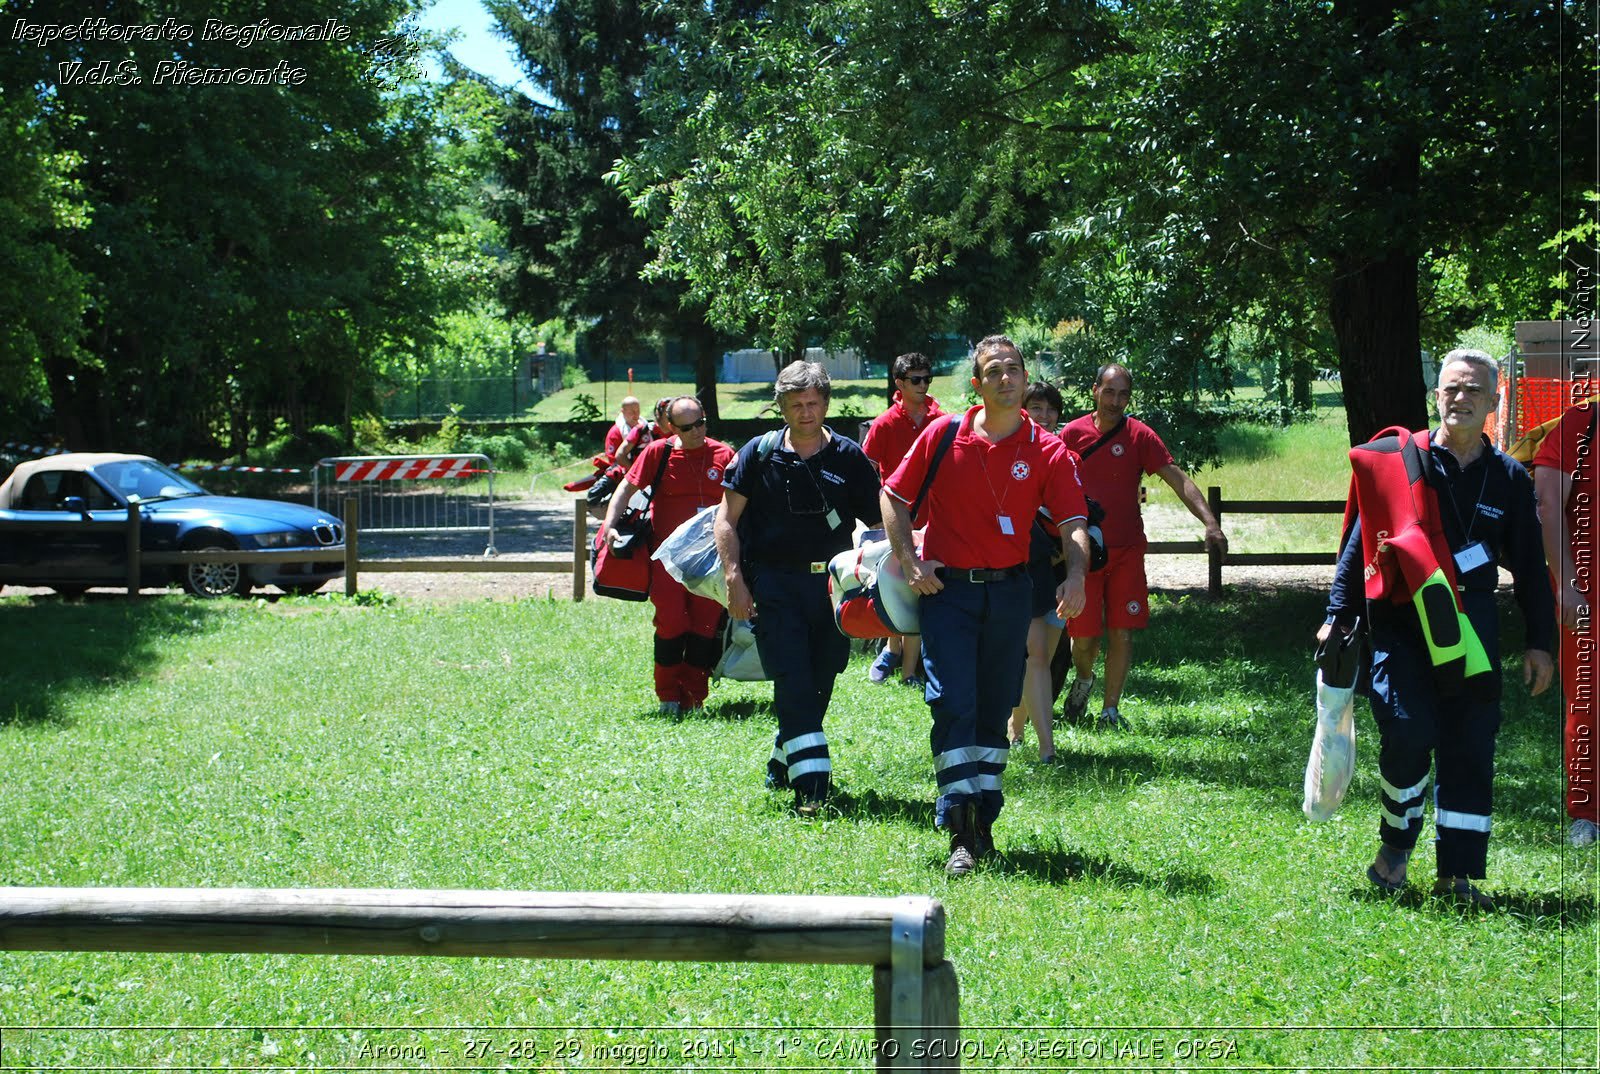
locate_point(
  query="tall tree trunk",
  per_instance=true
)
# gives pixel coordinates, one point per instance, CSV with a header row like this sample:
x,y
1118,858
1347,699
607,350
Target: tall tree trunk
x,y
1373,302
703,339
1375,320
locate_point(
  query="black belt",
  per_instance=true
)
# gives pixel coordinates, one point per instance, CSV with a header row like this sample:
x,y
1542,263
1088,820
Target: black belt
x,y
981,574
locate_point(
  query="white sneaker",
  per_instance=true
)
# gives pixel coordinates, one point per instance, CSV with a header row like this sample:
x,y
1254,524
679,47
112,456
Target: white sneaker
x,y
1583,833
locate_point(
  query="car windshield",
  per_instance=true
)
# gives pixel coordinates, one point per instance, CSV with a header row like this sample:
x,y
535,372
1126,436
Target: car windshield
x,y
139,481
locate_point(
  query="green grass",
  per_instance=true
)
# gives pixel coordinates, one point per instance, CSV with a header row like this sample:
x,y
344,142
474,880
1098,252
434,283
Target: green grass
x,y
1163,878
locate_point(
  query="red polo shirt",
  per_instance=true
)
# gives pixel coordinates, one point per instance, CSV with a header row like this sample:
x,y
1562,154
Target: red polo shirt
x,y
1560,450
979,483
892,433
1112,474
693,479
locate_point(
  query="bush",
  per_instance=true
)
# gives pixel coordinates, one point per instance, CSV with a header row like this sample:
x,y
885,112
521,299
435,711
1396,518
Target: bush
x,y
573,374
287,449
506,450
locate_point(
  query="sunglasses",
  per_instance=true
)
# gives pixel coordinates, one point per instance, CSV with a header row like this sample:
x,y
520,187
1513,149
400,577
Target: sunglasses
x,y
918,380
701,424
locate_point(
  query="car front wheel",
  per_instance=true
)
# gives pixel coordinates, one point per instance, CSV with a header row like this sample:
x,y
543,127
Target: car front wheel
x,y
211,580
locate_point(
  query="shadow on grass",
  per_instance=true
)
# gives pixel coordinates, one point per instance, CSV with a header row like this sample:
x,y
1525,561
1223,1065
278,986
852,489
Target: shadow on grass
x,y
1241,667
1538,910
730,711
870,805
82,646
1058,864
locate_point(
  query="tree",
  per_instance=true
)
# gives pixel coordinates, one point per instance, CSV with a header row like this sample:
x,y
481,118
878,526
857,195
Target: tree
x,y
854,171
248,248
578,248
1165,170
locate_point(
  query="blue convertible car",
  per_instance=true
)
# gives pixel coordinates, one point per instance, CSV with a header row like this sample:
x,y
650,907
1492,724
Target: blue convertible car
x,y
176,514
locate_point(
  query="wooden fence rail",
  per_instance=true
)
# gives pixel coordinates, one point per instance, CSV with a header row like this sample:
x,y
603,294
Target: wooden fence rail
x,y
578,563
916,997
1215,560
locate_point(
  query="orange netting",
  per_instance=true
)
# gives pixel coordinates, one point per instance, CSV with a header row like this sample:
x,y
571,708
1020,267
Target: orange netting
x,y
1540,399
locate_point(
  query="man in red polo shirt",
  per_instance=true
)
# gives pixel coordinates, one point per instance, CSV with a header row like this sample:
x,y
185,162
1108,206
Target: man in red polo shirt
x,y
974,582
686,646
1563,479
1116,451
888,438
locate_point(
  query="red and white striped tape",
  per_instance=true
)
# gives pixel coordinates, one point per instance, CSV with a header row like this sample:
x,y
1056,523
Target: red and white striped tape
x,y
207,467
405,469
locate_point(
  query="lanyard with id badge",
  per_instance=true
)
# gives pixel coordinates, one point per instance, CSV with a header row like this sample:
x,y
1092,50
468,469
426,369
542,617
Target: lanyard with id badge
x,y
807,497
1473,554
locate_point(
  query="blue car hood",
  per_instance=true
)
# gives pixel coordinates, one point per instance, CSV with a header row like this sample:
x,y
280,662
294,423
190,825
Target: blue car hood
x,y
254,515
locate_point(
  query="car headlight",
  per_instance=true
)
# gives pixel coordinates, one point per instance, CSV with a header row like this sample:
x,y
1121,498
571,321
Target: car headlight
x,y
285,539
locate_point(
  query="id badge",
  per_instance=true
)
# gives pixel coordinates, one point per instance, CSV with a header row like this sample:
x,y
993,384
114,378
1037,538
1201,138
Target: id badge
x,y
833,518
1005,525
1471,557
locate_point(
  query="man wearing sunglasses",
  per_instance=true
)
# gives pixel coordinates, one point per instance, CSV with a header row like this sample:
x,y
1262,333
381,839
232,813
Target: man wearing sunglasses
x,y
888,438
972,575
790,504
680,474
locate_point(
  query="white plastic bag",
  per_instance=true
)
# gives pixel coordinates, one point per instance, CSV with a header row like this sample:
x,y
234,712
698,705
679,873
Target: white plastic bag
x,y
1333,751
690,555
741,661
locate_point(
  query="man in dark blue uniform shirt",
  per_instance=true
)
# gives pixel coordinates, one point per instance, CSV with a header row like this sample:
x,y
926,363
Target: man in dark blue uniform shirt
x,y
1487,511
788,507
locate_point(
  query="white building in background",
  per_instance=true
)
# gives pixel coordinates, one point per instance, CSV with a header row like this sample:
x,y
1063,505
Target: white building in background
x,y
754,366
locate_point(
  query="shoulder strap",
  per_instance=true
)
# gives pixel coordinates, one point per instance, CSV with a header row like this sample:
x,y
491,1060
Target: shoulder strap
x,y
946,438
1105,438
661,471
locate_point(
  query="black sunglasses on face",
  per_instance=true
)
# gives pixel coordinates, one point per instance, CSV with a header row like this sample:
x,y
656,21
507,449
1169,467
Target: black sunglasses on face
x,y
701,424
918,379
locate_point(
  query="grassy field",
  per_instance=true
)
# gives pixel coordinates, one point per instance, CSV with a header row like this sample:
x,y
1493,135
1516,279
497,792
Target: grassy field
x,y
1158,888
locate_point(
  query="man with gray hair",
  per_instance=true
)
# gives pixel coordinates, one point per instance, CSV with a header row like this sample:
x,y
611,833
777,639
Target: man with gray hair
x,y
790,502
1437,515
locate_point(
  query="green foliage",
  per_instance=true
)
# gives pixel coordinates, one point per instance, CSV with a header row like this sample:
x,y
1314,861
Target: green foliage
x,y
574,375
577,248
584,408
508,451
288,448
241,247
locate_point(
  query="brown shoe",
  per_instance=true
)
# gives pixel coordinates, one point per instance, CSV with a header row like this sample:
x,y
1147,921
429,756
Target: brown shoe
x,y
1463,892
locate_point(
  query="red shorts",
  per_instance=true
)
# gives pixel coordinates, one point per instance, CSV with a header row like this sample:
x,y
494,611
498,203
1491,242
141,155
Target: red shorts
x,y
1118,595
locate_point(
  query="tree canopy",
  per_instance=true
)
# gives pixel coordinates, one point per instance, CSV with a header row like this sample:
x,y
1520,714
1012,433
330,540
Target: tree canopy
x,y
1166,171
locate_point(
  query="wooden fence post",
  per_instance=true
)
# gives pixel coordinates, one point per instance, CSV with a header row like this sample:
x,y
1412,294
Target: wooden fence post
x,y
352,543
134,565
580,545
1214,554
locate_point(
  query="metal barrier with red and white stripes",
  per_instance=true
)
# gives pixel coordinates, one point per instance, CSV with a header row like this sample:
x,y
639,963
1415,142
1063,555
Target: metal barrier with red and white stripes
x,y
411,494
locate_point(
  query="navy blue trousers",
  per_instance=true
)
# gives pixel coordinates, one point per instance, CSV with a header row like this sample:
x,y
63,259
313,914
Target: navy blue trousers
x,y
974,654
1419,727
803,652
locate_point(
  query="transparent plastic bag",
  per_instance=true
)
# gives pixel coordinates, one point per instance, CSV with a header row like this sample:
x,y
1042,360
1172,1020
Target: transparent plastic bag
x,y
690,555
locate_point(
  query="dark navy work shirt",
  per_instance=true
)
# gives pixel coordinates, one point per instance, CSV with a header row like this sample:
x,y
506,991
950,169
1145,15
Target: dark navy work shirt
x,y
1491,500
786,521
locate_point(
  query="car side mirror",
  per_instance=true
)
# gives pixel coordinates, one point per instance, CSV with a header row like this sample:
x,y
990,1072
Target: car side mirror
x,y
76,504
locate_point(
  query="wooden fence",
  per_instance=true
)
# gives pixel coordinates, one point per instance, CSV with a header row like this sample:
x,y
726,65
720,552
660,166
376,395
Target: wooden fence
x,y
354,566
578,564
1215,559
915,993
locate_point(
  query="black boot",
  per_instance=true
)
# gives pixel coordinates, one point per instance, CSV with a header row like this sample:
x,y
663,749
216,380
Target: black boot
x,y
964,851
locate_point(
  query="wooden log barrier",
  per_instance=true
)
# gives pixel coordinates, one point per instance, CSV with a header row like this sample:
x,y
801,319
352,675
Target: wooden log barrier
x,y
916,1000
